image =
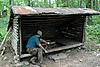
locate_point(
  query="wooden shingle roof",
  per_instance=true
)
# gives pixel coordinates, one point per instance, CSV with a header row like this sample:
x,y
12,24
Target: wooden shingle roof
x,y
25,10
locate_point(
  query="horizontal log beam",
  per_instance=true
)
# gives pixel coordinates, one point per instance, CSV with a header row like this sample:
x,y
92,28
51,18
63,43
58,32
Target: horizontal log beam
x,y
65,47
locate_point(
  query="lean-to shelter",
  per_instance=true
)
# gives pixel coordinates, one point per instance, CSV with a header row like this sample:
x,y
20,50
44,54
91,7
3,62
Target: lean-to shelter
x,y
65,26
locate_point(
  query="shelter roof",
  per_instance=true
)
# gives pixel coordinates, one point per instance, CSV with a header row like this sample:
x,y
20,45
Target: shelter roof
x,y
25,10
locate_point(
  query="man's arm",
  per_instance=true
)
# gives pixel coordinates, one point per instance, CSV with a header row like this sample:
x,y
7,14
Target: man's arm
x,y
42,40
39,44
42,48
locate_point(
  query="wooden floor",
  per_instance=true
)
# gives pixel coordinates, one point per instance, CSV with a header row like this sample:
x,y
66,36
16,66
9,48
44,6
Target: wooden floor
x,y
62,44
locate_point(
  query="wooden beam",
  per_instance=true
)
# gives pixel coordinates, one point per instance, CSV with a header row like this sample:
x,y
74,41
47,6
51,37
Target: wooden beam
x,y
25,55
53,50
65,47
20,34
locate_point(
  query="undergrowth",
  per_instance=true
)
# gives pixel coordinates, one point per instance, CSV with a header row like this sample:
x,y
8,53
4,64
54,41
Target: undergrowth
x,y
92,37
3,27
93,33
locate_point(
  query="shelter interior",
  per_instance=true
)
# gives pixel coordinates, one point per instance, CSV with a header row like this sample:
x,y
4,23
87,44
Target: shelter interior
x,y
65,30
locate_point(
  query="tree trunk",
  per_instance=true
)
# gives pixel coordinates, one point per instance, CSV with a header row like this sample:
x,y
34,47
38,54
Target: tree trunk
x,y
89,5
29,2
49,3
11,2
45,3
81,3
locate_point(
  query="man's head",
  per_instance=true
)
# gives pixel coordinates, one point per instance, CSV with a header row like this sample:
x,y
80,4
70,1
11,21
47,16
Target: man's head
x,y
39,32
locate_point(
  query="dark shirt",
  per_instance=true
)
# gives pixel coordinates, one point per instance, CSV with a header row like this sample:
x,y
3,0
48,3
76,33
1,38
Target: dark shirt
x,y
33,42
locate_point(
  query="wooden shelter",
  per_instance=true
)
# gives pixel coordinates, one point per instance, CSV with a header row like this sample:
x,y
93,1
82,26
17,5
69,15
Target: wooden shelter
x,y
64,26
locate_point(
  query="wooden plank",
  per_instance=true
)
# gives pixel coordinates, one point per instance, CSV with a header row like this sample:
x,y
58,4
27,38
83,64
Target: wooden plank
x,y
14,45
14,37
65,47
25,55
20,34
15,24
71,34
45,17
75,29
15,30
53,50
15,27
15,20
14,42
34,20
15,34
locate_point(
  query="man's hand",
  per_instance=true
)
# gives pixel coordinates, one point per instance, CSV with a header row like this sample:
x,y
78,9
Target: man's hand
x,y
47,42
44,41
43,48
46,51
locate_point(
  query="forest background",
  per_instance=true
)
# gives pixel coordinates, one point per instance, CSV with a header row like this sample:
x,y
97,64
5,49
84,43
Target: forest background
x,y
92,26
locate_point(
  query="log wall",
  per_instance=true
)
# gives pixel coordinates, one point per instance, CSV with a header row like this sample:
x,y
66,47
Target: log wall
x,y
14,35
53,27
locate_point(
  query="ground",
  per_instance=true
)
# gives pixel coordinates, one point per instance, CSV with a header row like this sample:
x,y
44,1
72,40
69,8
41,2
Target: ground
x,y
73,58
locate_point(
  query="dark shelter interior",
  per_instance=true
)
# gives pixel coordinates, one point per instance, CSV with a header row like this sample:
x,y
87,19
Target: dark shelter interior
x,y
63,29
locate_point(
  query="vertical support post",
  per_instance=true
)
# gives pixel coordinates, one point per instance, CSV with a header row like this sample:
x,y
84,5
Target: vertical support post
x,y
84,29
20,34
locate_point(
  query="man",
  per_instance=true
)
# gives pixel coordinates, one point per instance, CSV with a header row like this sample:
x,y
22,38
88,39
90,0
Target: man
x,y
35,47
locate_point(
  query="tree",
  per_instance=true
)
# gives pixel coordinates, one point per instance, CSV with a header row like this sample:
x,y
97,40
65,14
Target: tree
x,y
45,3
29,2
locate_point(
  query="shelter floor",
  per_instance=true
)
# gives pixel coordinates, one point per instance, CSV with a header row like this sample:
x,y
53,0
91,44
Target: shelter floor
x,y
63,44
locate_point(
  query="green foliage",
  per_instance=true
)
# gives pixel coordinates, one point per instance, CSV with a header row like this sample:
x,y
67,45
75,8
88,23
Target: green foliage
x,y
93,33
3,26
4,7
1,37
96,19
92,37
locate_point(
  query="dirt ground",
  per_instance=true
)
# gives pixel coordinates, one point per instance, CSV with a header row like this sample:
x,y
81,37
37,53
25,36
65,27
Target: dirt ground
x,y
74,58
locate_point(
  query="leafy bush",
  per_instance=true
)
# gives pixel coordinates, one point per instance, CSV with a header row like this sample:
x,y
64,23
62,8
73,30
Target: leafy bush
x,y
3,26
93,33
96,19
1,37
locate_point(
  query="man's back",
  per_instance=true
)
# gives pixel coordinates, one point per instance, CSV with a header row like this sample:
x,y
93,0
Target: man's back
x,y
33,42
